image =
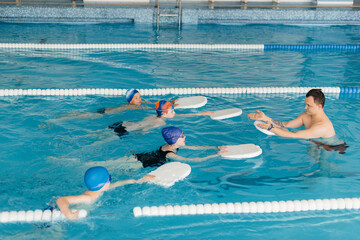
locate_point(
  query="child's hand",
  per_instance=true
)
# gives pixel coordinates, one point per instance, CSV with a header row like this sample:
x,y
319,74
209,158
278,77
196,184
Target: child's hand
x,y
207,113
221,152
173,102
146,178
74,215
223,147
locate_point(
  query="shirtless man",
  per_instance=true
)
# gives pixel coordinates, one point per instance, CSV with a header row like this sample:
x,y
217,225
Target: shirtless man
x,y
317,124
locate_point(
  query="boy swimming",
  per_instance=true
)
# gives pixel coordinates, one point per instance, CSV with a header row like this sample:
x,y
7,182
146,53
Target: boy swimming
x,y
134,101
97,180
164,110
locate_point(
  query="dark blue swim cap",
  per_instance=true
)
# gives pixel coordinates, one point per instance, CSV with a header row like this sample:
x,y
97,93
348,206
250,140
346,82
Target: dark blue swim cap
x,y
171,134
96,177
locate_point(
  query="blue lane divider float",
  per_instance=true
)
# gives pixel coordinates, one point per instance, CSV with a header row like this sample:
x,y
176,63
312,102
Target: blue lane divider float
x,y
350,90
314,47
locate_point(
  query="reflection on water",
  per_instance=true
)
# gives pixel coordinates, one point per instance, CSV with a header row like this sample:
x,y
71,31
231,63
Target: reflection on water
x,y
323,151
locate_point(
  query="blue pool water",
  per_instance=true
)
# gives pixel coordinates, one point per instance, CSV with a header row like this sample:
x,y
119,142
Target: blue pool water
x,y
43,160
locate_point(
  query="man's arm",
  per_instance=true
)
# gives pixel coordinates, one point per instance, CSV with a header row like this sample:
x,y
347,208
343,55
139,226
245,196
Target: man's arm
x,y
296,123
313,132
259,115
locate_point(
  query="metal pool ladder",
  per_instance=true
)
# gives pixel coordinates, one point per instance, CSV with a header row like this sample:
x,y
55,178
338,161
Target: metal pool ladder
x,y
168,12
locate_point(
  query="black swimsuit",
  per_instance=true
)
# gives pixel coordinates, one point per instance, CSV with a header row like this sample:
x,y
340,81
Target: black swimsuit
x,y
153,159
119,129
101,111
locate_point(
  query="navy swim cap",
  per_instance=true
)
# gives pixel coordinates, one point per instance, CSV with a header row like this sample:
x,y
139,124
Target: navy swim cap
x,y
96,177
130,94
171,134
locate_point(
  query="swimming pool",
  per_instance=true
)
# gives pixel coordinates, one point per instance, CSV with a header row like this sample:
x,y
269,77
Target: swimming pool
x,y
42,161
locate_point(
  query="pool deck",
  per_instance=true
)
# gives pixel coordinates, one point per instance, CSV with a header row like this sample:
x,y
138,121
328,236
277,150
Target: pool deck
x,y
237,13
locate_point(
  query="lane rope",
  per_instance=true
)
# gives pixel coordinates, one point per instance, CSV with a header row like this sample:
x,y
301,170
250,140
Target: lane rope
x,y
145,46
175,91
249,207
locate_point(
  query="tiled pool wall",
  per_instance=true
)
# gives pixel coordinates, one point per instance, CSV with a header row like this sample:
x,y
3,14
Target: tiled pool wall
x,y
195,15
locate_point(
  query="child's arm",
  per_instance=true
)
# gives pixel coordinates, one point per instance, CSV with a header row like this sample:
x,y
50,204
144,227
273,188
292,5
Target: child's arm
x,y
131,181
206,113
147,102
197,159
200,147
64,202
125,107
118,109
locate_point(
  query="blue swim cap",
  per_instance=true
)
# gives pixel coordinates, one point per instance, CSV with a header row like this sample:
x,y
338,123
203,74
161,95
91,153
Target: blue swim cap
x,y
130,94
96,177
171,134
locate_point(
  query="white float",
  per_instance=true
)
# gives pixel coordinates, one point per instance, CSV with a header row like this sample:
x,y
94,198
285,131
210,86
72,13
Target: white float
x,y
169,173
226,113
191,102
242,151
262,129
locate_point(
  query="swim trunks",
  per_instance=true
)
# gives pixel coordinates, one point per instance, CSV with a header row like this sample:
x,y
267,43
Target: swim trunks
x,y
119,129
153,159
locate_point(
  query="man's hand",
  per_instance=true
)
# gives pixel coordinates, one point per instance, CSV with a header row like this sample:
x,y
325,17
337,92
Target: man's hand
x,y
264,125
259,115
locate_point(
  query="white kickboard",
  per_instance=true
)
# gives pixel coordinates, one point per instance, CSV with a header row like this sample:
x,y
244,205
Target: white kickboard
x,y
242,151
226,113
191,102
169,173
261,129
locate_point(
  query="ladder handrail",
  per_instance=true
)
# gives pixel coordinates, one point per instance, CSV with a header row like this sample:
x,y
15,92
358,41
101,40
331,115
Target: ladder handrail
x,y
178,5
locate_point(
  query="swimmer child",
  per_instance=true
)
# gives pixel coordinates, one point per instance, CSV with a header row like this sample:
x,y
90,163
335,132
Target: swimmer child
x,y
175,139
97,180
133,98
164,110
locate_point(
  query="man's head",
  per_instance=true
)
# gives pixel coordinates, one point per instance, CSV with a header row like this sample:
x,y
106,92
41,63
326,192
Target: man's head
x,y
314,101
318,95
165,109
133,97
